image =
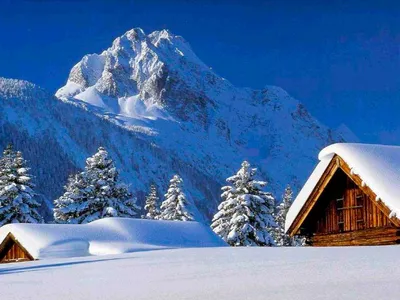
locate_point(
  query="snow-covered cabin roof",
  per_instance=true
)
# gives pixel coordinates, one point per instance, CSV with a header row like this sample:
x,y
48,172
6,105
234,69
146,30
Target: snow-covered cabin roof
x,y
377,165
109,236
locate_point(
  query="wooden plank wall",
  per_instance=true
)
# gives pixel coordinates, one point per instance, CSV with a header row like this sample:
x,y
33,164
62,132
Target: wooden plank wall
x,y
355,212
15,253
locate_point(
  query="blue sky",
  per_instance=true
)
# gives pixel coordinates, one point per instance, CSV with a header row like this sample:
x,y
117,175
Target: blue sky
x,y
340,58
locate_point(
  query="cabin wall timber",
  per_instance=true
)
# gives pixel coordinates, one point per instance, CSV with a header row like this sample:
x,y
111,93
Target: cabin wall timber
x,y
344,207
343,211
12,251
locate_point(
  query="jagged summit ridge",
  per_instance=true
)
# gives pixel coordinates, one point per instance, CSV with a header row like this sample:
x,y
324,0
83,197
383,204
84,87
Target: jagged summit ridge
x,y
138,74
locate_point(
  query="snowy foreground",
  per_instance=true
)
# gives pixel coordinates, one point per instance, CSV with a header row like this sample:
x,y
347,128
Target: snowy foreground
x,y
211,273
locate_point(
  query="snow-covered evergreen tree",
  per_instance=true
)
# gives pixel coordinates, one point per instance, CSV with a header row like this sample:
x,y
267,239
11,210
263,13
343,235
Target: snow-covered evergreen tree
x,y
17,198
244,216
278,233
152,211
95,193
175,205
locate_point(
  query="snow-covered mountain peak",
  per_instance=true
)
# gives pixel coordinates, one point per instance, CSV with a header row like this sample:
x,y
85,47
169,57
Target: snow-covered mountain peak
x,y
147,69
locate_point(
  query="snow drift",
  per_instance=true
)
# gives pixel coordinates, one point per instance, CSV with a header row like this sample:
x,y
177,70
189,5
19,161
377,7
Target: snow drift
x,y
109,236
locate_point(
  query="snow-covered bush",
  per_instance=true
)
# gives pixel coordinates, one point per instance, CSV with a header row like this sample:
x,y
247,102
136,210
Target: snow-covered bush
x,y
175,206
244,217
278,233
95,193
17,203
152,211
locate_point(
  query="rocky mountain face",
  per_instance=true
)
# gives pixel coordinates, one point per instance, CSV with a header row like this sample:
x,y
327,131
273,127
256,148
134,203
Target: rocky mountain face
x,y
160,110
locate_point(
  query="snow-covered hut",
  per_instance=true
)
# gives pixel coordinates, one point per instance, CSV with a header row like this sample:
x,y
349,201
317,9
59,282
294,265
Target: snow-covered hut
x,y
21,242
351,198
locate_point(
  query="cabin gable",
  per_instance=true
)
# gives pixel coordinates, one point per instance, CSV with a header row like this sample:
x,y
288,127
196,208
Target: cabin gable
x,y
12,251
340,206
343,207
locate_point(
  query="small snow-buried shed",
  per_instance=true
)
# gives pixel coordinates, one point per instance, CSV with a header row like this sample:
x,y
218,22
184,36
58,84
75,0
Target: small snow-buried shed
x,y
21,242
351,198
12,251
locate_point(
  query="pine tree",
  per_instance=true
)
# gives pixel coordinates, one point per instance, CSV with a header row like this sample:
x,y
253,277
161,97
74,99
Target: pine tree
x,y
278,233
150,206
17,198
175,205
244,216
95,193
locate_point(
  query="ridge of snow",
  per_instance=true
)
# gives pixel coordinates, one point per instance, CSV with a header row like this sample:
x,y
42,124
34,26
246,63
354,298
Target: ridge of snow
x,y
109,236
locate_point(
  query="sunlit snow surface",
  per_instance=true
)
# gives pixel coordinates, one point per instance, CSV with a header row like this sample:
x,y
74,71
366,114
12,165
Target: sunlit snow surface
x,y
211,273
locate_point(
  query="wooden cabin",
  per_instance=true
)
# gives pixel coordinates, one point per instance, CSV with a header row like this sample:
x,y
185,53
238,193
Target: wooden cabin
x,y
351,198
12,251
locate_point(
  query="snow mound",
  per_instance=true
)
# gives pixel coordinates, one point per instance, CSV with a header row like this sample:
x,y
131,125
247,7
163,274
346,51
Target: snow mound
x,y
109,236
377,165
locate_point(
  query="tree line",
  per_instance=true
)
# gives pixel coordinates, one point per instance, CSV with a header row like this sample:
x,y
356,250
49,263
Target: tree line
x,y
247,215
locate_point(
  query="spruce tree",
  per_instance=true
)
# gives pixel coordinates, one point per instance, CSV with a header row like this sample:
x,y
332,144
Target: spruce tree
x,y
95,193
244,216
150,206
175,205
278,233
17,198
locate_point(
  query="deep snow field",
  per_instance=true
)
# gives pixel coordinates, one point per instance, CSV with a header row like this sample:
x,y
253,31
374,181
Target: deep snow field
x,y
211,273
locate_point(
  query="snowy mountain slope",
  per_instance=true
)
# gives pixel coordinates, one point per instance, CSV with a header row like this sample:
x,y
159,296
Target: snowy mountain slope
x,y
56,137
157,85
233,273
